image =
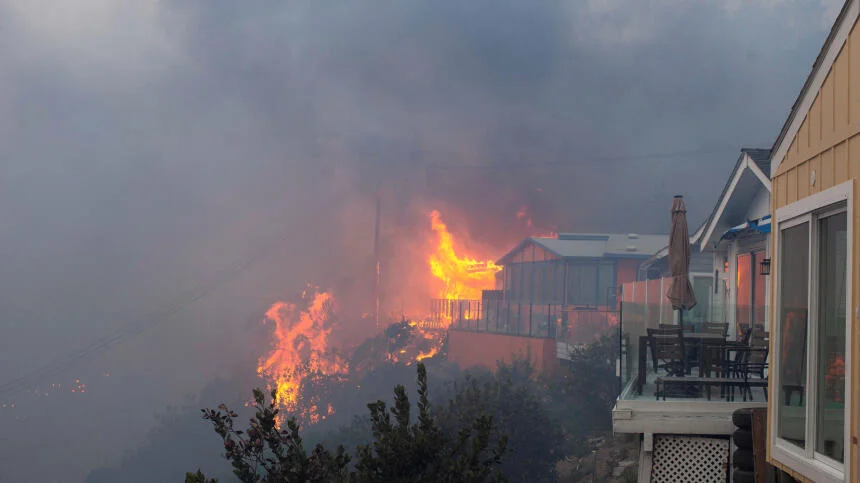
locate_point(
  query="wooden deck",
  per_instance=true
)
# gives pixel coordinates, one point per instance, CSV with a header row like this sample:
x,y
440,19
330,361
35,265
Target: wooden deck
x,y
643,413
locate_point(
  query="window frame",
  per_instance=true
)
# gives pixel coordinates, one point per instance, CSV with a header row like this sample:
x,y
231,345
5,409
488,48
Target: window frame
x,y
574,270
809,210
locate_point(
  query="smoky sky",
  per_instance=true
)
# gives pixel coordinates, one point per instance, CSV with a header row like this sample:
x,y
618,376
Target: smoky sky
x,y
147,145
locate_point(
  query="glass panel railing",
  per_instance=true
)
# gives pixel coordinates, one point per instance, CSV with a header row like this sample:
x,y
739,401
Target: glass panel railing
x,y
573,325
636,318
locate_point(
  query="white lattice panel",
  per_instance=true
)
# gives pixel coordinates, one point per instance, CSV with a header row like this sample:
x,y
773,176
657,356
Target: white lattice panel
x,y
685,459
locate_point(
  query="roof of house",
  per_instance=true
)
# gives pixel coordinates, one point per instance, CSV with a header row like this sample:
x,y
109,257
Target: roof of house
x,y
594,245
800,107
761,157
694,239
757,161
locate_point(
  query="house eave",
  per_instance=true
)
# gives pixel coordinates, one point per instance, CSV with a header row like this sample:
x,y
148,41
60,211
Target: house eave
x,y
744,164
823,63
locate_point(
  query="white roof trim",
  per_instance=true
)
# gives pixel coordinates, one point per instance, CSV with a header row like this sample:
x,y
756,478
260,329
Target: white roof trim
x,y
805,103
765,179
695,238
746,163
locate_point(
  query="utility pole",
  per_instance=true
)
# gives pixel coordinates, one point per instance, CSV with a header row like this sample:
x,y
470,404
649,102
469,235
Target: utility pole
x,y
376,288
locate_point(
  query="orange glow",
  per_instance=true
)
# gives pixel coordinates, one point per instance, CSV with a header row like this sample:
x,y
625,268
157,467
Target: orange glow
x,y
299,349
427,355
464,278
835,379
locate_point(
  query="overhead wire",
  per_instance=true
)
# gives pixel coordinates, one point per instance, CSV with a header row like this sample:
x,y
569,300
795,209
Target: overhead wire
x,y
30,379
146,321
574,162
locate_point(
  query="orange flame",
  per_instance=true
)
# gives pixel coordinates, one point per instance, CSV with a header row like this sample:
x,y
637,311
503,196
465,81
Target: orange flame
x,y
426,355
299,349
464,278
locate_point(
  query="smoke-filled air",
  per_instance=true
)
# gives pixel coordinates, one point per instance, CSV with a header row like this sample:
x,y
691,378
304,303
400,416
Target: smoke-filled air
x,y
340,203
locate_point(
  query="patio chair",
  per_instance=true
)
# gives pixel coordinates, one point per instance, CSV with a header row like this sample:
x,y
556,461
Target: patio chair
x,y
751,361
689,328
667,350
716,328
757,358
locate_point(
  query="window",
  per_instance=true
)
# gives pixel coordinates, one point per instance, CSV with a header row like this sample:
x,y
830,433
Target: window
x,y
750,290
591,283
582,284
793,314
811,360
743,287
702,287
606,289
759,297
830,356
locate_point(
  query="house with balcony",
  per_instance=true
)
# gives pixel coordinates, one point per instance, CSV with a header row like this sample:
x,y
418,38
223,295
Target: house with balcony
x,y
551,294
683,377
813,412
729,253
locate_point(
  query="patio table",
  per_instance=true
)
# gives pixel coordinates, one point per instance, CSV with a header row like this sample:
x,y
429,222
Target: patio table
x,y
694,338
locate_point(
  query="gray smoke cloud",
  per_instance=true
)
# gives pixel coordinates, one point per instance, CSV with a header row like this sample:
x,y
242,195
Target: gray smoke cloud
x,y
147,145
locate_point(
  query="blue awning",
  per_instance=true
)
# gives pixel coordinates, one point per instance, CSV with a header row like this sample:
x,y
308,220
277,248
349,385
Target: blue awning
x,y
761,225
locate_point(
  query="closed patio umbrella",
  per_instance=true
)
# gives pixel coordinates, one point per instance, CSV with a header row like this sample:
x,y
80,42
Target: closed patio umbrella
x,y
680,291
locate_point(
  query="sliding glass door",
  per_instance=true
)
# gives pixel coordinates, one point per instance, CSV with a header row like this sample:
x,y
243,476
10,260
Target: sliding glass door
x,y
812,297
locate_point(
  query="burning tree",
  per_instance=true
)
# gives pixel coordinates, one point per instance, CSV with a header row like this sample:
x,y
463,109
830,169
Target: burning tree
x,y
300,355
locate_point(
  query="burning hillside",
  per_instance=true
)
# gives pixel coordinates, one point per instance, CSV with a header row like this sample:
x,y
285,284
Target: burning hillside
x,y
302,361
300,350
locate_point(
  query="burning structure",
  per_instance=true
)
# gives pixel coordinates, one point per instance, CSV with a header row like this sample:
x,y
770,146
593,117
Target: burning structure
x,y
558,289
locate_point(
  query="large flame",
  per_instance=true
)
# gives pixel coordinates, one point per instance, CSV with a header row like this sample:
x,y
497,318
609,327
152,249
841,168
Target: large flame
x,y
464,278
299,350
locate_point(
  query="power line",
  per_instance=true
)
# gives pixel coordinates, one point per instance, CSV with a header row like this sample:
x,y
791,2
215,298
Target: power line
x,y
152,319
61,364
573,162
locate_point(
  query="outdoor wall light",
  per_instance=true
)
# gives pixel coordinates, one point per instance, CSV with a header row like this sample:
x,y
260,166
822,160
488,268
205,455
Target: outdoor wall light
x,y
765,266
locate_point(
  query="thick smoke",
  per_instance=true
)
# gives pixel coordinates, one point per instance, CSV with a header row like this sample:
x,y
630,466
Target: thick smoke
x,y
146,146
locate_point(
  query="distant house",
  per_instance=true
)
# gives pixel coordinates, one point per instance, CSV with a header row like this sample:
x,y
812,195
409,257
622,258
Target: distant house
x,y
563,288
728,250
688,432
737,234
574,270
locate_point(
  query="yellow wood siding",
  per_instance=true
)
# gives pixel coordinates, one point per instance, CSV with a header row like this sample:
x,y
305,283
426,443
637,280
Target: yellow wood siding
x,y
828,144
835,112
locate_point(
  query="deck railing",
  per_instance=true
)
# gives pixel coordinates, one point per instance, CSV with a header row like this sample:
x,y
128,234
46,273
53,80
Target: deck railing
x,y
637,318
574,325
